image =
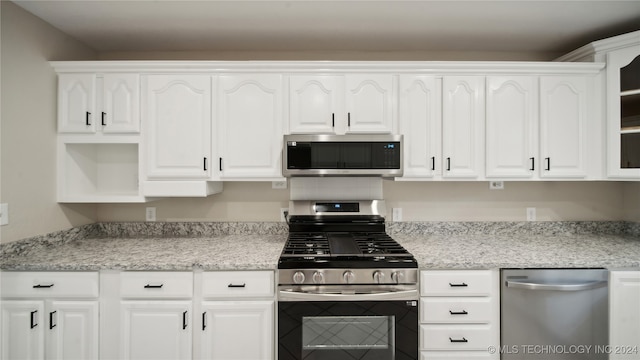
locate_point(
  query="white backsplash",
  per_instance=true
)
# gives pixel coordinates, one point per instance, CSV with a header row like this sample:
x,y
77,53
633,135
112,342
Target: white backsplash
x,y
336,188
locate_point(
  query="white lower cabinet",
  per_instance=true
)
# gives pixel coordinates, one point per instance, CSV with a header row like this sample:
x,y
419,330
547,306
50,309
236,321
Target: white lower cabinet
x,y
156,330
624,315
49,315
236,315
146,315
156,315
237,330
459,314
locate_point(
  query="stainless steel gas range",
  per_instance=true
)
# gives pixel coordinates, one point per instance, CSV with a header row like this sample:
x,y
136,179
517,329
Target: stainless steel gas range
x,y
347,290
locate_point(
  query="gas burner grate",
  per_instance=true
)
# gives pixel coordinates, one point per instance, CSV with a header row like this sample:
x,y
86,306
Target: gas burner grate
x,y
379,244
306,244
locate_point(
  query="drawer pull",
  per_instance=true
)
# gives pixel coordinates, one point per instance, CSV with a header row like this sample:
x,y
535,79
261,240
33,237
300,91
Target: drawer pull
x,y
40,286
463,312
463,340
149,286
33,320
458,284
237,285
51,324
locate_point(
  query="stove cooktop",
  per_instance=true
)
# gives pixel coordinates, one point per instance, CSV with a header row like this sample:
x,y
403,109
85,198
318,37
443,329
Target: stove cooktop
x,y
344,250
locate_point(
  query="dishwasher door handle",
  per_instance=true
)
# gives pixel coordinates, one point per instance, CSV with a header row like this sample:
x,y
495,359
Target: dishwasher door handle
x,y
528,285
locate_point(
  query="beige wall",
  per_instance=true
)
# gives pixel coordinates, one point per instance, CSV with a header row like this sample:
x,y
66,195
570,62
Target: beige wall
x,y
420,201
28,115
632,201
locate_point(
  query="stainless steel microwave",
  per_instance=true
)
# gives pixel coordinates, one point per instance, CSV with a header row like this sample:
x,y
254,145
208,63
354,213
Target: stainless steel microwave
x,y
342,155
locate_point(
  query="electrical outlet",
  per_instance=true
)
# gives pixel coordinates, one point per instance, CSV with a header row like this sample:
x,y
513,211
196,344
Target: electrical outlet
x,y
496,185
284,212
531,214
279,184
396,214
151,214
4,214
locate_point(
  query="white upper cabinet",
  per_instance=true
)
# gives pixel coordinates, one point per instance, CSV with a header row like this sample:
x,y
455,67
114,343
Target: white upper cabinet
x,y
369,101
511,126
89,103
121,103
463,126
249,126
314,102
177,113
341,104
420,123
563,126
76,103
621,94
623,100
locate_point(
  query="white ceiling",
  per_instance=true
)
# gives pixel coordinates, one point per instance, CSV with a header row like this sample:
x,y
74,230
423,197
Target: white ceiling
x,y
544,26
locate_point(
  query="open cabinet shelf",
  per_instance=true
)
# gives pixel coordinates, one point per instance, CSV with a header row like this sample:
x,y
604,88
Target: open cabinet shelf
x,y
98,173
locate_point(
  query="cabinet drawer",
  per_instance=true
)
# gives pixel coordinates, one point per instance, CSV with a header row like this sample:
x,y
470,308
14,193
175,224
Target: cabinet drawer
x,y
145,285
456,283
457,337
456,310
50,284
237,284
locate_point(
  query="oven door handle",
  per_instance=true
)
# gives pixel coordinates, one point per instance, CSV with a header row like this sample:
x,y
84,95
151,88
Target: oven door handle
x,y
287,295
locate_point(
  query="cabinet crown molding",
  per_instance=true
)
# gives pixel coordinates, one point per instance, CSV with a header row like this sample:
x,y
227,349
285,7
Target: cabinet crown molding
x,y
325,67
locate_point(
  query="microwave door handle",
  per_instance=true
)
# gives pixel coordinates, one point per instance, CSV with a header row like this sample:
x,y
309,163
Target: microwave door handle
x,y
530,285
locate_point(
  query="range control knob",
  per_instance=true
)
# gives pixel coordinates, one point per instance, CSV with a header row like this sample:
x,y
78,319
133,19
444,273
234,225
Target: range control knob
x,y
378,276
397,277
298,277
349,276
318,277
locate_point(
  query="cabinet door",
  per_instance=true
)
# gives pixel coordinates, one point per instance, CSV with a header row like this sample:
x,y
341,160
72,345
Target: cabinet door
x,y
249,126
623,113
156,330
369,102
511,126
237,330
121,99
624,315
23,330
72,330
315,102
462,126
178,120
420,123
563,122
76,103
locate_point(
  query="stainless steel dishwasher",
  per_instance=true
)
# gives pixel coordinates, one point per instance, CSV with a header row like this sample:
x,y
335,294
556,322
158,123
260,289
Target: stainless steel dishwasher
x,y
554,314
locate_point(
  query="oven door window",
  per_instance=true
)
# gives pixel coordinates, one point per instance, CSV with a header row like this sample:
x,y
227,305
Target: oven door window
x,y
347,333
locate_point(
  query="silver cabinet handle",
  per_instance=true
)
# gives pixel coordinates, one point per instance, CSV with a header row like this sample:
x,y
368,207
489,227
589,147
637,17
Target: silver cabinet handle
x,y
589,285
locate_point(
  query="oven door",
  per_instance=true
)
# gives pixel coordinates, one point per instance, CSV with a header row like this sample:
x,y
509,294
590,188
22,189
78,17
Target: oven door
x,y
348,330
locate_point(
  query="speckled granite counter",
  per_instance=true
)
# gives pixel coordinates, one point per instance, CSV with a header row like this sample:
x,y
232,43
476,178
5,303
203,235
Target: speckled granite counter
x,y
239,246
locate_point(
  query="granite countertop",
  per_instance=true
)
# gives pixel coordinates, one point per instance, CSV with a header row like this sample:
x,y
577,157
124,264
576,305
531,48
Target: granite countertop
x,y
258,247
